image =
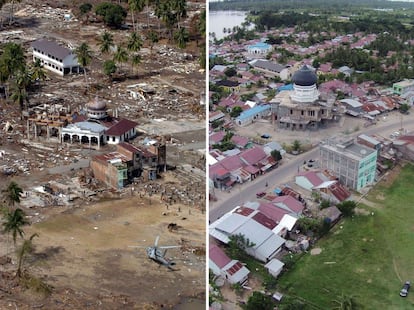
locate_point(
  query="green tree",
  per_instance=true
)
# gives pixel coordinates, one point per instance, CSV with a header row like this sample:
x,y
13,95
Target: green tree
x,y
13,222
13,193
296,146
84,56
307,224
109,68
134,43
12,61
236,111
230,71
404,108
324,204
19,95
276,155
37,72
181,37
85,8
121,55
135,6
153,38
260,301
347,207
113,14
237,246
135,61
25,249
105,42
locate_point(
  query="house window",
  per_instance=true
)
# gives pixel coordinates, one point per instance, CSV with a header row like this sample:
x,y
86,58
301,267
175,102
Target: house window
x,y
291,112
107,138
113,139
302,112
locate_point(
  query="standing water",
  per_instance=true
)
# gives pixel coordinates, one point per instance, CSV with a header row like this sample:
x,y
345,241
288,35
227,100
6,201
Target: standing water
x,y
218,20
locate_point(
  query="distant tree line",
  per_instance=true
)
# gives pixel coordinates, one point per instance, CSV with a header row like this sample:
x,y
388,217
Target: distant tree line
x,y
327,5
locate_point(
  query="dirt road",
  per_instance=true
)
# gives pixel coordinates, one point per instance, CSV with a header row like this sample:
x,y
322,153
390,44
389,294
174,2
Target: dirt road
x,y
87,248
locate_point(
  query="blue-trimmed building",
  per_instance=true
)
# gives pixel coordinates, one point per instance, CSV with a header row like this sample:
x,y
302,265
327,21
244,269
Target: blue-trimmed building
x,y
251,115
259,48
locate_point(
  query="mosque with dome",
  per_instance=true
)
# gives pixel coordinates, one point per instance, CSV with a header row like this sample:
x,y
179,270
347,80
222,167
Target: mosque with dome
x,y
303,107
97,127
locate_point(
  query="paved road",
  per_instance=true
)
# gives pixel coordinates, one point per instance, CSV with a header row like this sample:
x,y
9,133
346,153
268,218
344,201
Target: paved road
x,y
285,172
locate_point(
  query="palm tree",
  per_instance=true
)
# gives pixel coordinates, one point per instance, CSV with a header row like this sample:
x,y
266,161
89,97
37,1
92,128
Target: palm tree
x,y
134,42
121,55
181,37
105,42
37,72
13,222
135,6
19,95
84,55
153,38
26,248
13,193
135,61
180,8
202,24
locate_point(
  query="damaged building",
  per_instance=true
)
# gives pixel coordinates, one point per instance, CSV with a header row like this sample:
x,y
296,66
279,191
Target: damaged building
x,y
121,167
92,126
303,107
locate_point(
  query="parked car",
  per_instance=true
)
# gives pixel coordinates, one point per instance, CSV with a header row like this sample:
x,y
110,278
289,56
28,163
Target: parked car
x,y
265,136
405,289
260,194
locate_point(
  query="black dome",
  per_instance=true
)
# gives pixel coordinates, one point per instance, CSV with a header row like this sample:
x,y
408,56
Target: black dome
x,y
304,77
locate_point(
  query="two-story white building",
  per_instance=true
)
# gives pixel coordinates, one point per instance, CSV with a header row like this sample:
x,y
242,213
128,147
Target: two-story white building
x,y
54,57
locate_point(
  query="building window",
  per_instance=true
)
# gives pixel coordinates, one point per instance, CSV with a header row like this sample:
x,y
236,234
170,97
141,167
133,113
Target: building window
x,y
113,139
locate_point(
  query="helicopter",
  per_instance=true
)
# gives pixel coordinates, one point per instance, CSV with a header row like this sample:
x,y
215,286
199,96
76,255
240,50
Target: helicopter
x,y
157,253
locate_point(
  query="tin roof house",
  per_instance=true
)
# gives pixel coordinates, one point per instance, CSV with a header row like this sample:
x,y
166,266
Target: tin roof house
x,y
222,265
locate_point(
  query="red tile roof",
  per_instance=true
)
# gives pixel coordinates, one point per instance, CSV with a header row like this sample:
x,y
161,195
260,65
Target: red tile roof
x,y
218,256
121,127
251,169
339,191
253,156
264,220
233,269
244,211
231,163
312,177
273,212
216,137
289,202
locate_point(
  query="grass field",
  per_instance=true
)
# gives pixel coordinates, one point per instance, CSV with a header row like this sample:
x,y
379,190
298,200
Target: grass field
x,y
367,257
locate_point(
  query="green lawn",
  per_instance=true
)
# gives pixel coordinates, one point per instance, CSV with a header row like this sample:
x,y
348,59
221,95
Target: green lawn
x,y
364,256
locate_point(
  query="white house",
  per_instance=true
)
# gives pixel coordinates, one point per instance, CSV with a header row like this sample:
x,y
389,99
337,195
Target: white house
x,y
54,57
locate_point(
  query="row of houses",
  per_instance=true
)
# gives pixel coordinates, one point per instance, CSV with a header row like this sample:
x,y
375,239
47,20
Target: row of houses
x,y
240,166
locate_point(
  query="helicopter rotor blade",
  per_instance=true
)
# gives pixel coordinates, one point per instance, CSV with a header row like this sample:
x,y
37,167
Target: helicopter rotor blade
x,y
156,241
